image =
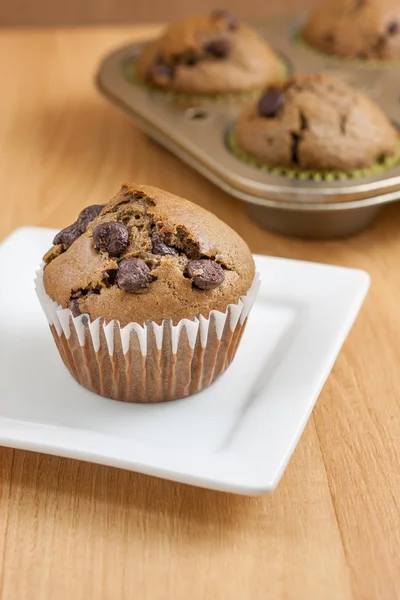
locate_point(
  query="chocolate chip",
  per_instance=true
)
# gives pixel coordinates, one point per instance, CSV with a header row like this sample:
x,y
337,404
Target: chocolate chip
x,y
206,274
219,48
270,103
88,214
133,275
393,28
111,237
189,58
227,16
66,237
159,247
161,72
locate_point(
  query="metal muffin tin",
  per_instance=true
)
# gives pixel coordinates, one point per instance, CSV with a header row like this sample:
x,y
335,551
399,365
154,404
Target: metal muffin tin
x,y
196,133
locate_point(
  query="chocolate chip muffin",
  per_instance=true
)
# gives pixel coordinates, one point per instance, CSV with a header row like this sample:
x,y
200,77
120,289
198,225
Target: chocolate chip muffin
x,y
172,281
207,56
147,256
360,29
315,122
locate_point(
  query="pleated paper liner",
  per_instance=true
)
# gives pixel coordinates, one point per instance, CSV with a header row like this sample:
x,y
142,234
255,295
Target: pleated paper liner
x,y
308,174
150,362
130,71
348,61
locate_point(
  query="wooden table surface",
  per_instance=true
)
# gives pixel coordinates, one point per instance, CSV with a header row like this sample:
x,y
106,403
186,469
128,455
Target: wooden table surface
x,y
76,531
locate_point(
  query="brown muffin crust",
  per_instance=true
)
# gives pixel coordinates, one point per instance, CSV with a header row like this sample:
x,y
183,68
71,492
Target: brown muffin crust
x,y
316,122
149,255
209,55
361,29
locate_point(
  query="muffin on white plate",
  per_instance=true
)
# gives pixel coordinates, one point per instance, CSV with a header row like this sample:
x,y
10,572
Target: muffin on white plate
x,y
147,296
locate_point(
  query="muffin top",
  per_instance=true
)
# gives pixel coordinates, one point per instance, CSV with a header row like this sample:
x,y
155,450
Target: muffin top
x,y
362,29
147,255
316,122
209,55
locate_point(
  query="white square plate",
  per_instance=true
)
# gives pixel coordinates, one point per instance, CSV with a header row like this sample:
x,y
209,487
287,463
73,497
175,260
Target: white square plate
x,y
237,435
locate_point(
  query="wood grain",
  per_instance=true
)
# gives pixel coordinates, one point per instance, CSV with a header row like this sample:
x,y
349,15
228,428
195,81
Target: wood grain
x,y
81,531
79,12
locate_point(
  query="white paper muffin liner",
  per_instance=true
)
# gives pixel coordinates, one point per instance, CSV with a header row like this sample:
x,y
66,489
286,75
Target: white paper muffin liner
x,y
150,362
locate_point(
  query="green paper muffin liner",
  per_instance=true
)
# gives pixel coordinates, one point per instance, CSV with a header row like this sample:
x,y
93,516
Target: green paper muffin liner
x,y
309,174
367,64
132,75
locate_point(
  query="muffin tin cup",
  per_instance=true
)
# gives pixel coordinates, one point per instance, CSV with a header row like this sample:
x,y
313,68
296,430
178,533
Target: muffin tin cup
x,y
147,363
197,134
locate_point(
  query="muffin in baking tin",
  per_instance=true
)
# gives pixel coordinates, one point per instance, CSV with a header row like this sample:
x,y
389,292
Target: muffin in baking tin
x,y
208,57
356,29
315,126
